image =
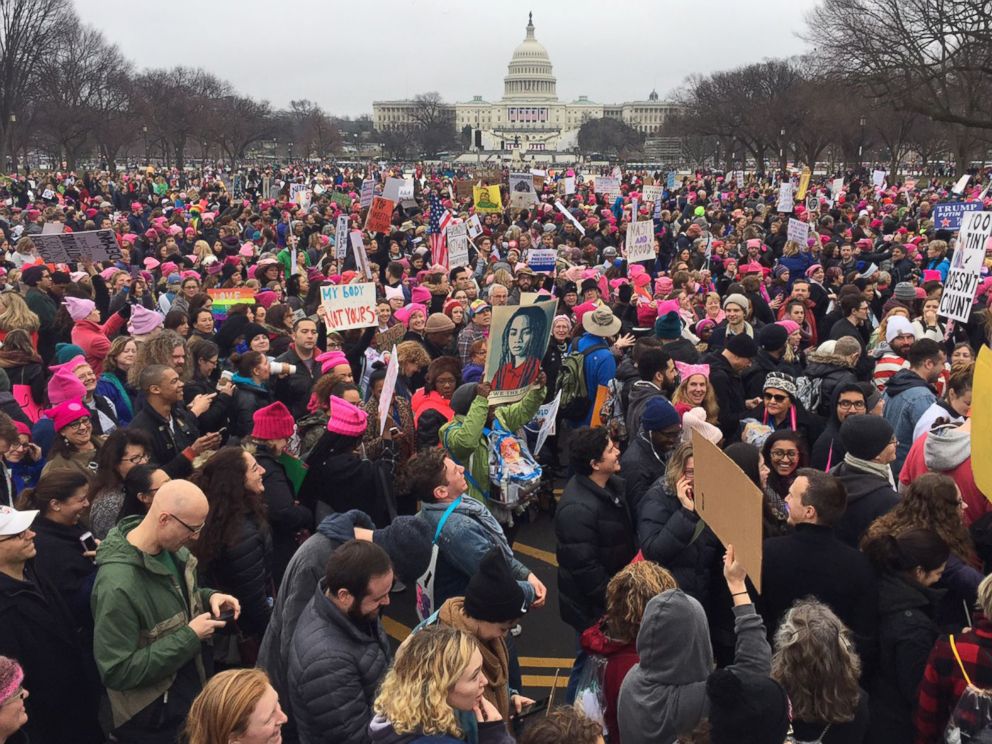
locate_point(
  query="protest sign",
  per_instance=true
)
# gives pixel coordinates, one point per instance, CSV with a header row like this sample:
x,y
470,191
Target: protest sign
x,y
544,422
349,306
518,339
878,179
640,241
798,231
361,257
368,191
388,388
569,185
542,259
540,176
463,188
561,208
608,185
947,215
961,184
341,237
785,197
487,199
730,504
652,194
380,216
391,189
739,178
522,194
981,422
803,184
474,226
295,189
836,187
457,245
966,266
670,180
223,299
95,245
529,298
342,200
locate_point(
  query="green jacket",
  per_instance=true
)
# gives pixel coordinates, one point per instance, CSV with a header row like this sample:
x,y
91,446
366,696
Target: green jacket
x,y
463,437
285,257
142,636
42,305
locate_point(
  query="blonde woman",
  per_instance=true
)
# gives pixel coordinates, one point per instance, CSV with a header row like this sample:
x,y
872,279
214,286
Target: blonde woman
x,y
695,391
201,249
15,314
434,693
238,706
817,665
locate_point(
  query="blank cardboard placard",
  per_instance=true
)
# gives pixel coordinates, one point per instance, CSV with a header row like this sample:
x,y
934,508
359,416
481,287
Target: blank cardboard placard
x,y
729,503
981,422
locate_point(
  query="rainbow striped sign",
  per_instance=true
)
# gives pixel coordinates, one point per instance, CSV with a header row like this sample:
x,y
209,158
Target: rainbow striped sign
x,y
224,298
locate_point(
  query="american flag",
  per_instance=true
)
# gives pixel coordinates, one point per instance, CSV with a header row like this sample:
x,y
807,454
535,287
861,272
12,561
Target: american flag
x,y
437,226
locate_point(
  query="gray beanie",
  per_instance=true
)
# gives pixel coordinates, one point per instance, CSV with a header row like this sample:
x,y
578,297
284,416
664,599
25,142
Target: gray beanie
x,y
462,398
738,299
408,542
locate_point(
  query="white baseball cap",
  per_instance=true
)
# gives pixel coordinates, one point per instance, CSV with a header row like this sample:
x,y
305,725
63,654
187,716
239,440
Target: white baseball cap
x,y
13,522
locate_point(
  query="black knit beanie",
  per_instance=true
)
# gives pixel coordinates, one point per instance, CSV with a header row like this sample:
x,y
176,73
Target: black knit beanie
x,y
493,595
865,436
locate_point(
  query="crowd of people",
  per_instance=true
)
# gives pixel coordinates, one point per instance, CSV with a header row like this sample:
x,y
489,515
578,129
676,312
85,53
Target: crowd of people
x,y
203,515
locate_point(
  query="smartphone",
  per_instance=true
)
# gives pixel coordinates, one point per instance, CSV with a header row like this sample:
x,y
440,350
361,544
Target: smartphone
x,y
226,615
88,541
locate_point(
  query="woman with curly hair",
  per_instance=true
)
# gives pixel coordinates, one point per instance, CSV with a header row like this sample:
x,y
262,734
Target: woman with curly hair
x,y
615,635
816,662
168,348
934,502
235,545
239,705
434,693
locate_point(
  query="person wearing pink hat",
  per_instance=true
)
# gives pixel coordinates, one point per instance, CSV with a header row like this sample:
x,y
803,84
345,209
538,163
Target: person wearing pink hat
x,y
75,447
338,479
88,334
144,322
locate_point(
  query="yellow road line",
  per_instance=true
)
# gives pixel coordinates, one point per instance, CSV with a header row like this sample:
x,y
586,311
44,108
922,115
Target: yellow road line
x,y
541,555
394,628
531,662
544,680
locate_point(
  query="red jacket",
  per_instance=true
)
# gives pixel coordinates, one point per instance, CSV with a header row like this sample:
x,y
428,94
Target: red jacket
x,y
620,658
916,465
94,339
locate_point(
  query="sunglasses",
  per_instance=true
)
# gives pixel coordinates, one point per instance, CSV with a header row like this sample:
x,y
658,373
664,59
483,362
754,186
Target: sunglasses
x,y
777,397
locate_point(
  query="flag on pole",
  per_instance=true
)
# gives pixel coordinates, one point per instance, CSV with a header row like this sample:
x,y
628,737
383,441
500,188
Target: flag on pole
x,y
437,226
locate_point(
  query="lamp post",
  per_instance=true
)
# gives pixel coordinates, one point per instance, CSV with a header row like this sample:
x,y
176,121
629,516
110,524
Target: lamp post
x,y
144,133
13,146
781,149
290,152
861,140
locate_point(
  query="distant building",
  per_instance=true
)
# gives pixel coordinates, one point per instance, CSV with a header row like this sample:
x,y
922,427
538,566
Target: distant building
x,y
529,117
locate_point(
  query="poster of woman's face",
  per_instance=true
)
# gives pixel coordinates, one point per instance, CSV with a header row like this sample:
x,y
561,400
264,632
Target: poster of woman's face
x,y
518,339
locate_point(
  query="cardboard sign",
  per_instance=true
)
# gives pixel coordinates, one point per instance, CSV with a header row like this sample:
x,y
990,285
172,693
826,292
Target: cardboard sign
x,y
965,272
388,388
457,245
349,306
803,184
569,185
608,185
487,199
798,231
542,259
341,237
474,226
730,504
96,245
785,198
640,241
361,257
981,422
652,194
392,189
947,215
368,191
380,216
522,193
463,188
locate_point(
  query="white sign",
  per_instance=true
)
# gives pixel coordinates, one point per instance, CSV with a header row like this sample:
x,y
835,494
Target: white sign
x,y
522,193
545,418
966,266
878,179
388,388
569,185
652,194
457,245
836,187
397,188
610,186
739,178
361,258
962,183
341,237
474,226
542,259
349,306
561,208
406,190
785,197
96,245
295,189
640,241
368,191
798,231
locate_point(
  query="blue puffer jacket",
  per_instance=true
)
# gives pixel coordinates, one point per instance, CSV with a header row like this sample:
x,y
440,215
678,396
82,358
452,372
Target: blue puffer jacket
x,y
907,396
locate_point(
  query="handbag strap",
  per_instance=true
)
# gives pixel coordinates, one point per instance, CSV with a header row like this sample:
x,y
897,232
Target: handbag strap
x,y
957,656
444,518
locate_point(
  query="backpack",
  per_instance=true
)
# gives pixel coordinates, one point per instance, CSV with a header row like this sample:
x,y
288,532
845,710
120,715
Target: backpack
x,y
971,719
808,391
613,414
513,472
575,398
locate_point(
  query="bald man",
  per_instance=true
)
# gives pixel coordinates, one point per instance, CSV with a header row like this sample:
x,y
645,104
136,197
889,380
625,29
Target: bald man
x,y
151,618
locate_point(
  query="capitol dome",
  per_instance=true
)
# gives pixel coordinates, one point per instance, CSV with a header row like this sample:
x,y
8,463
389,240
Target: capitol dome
x,y
529,74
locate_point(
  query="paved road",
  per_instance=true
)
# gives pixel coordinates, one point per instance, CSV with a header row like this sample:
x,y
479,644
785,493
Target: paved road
x,y
546,643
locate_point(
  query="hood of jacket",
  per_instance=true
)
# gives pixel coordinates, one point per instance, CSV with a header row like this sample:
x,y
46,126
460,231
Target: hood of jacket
x,y
946,447
821,364
639,391
904,380
896,595
859,483
850,387
626,370
595,641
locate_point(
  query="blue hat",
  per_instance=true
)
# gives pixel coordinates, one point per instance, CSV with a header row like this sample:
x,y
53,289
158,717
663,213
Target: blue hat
x,y
659,414
668,326
173,278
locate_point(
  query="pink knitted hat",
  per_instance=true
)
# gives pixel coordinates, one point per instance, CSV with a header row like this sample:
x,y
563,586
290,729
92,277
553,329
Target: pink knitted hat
x,y
331,359
64,385
66,412
144,321
79,309
345,418
273,422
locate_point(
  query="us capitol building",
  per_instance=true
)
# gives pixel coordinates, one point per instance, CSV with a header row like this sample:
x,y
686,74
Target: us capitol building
x,y
529,118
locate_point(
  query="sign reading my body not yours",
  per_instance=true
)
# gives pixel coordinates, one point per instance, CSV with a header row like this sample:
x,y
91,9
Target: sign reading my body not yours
x,y
349,306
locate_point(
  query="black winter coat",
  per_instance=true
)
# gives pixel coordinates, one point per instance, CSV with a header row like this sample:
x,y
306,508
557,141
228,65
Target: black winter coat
x,y
39,631
60,560
729,390
832,371
682,350
672,536
869,496
244,570
763,364
294,391
641,467
335,667
906,634
286,517
216,417
596,539
247,400
168,444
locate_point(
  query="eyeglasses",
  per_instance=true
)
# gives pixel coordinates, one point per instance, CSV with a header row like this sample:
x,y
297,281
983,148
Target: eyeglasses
x,y
785,454
777,397
858,405
193,530
22,535
19,694
80,423
137,459
19,446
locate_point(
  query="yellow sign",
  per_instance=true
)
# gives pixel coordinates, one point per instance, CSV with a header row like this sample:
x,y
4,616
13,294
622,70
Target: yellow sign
x,y
803,184
981,422
487,199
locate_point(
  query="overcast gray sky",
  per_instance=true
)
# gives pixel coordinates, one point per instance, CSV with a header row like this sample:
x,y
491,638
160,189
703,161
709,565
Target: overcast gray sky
x,y
344,55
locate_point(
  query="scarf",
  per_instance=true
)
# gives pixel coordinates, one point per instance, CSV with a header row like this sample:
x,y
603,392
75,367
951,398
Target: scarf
x,y
870,466
495,658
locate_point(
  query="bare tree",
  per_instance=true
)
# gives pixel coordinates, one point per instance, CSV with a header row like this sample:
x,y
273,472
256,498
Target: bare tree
x,y
315,133
434,128
239,122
